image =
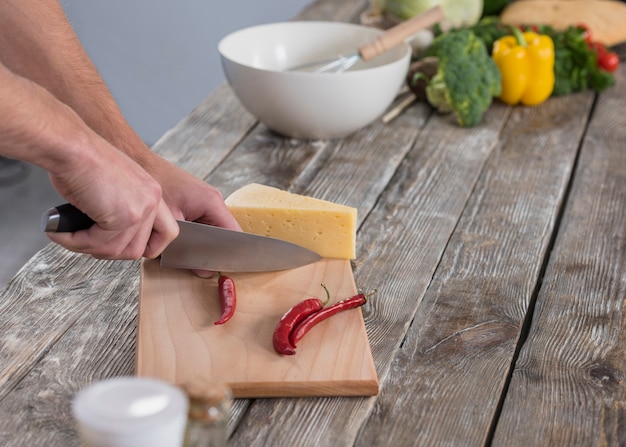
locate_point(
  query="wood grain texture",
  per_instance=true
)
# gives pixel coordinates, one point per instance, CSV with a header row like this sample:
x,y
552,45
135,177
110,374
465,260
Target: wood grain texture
x,y
266,158
472,313
356,171
208,134
69,324
568,385
179,342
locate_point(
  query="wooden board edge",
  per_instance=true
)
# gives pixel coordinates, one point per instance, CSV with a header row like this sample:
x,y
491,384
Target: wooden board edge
x,y
142,275
352,388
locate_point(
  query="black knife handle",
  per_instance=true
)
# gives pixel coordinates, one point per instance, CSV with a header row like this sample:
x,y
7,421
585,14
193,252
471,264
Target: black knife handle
x,y
65,218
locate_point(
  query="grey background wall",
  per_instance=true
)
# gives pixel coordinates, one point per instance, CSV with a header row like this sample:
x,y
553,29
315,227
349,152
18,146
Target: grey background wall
x,y
159,57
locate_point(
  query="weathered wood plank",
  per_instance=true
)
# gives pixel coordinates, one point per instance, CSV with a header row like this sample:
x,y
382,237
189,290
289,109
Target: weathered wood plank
x,y
38,308
207,135
568,384
267,158
64,324
356,171
471,315
69,322
400,243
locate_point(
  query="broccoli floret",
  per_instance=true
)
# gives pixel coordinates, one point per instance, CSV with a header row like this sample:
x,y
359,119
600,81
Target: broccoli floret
x,y
467,78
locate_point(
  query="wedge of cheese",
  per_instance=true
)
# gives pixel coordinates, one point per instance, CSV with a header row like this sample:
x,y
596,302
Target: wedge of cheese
x,y
324,227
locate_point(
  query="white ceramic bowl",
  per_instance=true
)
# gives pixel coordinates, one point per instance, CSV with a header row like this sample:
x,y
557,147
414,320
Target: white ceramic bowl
x,y
301,104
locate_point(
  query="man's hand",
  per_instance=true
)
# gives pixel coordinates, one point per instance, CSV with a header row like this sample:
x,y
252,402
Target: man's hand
x,y
132,219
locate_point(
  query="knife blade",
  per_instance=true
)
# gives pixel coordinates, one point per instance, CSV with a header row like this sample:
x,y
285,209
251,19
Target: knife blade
x,y
204,247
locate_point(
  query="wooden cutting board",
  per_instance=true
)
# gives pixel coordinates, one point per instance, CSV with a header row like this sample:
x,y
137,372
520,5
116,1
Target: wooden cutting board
x,y
178,341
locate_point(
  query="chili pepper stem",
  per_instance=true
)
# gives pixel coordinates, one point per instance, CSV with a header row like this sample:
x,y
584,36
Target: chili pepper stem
x,y
368,295
326,301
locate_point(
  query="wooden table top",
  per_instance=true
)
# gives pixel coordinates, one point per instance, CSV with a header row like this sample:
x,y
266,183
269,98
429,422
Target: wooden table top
x,y
498,253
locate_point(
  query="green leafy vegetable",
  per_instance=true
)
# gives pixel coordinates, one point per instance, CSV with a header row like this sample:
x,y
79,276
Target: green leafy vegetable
x,y
489,29
575,64
494,7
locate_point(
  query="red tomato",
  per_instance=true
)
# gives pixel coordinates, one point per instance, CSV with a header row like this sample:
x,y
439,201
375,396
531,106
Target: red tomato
x,y
609,61
599,48
600,51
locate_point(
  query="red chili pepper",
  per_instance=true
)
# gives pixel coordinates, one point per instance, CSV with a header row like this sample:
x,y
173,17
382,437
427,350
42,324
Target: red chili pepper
x,y
307,324
289,320
228,298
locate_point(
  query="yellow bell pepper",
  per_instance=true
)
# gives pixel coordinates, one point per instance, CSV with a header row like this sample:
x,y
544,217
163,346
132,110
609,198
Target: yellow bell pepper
x,y
526,63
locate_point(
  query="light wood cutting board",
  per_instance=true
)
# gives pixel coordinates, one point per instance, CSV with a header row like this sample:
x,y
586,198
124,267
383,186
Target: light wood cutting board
x,y
178,341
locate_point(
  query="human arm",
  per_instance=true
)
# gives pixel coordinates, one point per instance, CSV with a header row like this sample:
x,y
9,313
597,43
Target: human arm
x,y
87,171
49,54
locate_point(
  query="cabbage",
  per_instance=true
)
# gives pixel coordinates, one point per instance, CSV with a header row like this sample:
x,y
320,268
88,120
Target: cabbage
x,y
459,13
405,9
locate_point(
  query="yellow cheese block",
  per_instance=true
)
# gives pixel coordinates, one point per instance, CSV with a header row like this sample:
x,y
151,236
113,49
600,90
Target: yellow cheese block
x,y
324,227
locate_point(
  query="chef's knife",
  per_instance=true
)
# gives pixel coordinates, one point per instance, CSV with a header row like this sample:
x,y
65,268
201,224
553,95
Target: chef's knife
x,y
204,247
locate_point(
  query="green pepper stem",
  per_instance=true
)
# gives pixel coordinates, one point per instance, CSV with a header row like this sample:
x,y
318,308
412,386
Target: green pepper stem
x,y
517,33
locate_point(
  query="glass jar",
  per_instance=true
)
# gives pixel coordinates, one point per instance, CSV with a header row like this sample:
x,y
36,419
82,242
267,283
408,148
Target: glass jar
x,y
210,403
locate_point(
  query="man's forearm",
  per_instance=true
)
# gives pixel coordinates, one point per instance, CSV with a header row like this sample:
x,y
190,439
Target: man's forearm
x,y
36,127
38,43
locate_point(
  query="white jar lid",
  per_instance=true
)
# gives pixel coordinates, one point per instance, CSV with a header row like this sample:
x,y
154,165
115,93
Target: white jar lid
x,y
125,409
